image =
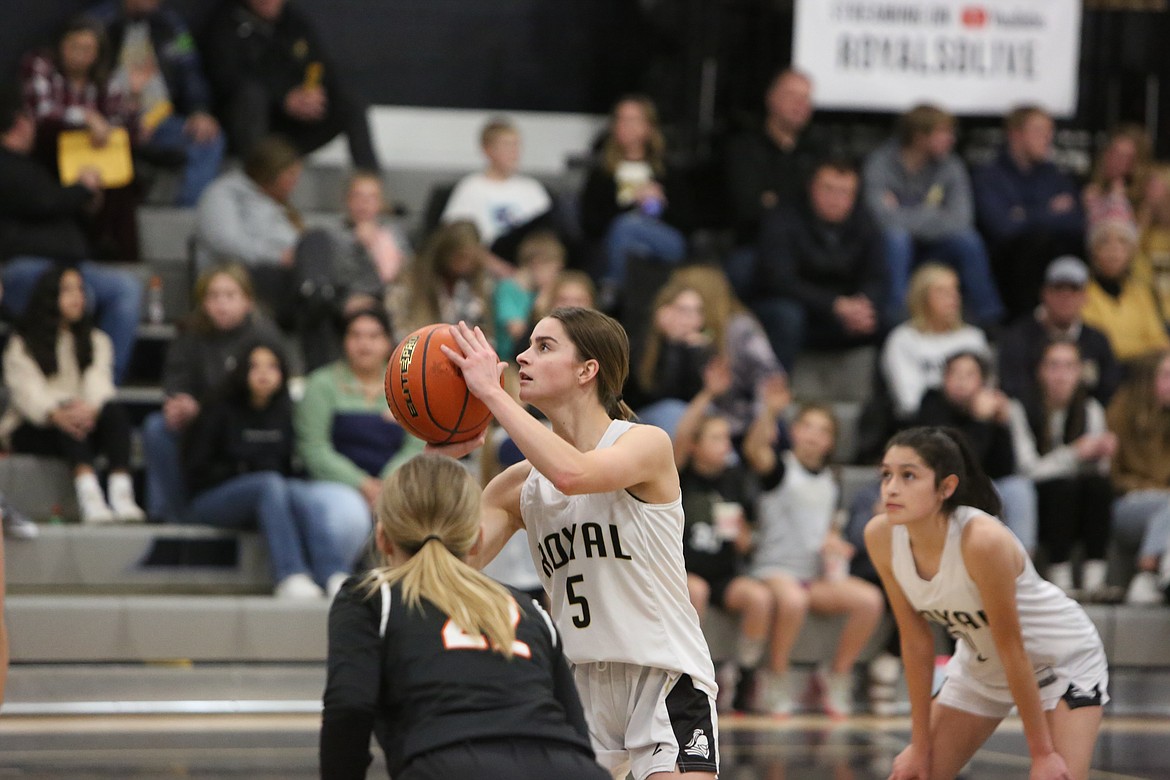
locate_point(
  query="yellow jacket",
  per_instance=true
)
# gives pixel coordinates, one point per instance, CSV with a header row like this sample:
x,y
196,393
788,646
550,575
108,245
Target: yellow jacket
x,y
1131,321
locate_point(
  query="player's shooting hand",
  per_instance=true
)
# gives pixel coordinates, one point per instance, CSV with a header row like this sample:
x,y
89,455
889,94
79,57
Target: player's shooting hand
x,y
476,359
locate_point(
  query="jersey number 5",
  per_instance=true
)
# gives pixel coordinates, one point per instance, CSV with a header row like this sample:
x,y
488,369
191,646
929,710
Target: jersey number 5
x,y
582,620
455,638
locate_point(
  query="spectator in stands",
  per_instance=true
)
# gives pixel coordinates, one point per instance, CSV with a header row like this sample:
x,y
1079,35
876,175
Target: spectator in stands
x,y
572,288
376,253
245,216
1122,169
820,280
967,402
541,257
448,282
1118,304
1151,266
915,353
156,61
1139,415
40,224
345,433
205,351
67,88
59,370
239,467
718,509
270,74
769,167
504,204
918,190
3,628
632,203
1028,209
800,555
1058,317
738,338
668,368
1062,444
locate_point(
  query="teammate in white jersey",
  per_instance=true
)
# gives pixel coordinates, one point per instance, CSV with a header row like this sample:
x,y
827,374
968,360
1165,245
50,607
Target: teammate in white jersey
x,y
599,497
944,557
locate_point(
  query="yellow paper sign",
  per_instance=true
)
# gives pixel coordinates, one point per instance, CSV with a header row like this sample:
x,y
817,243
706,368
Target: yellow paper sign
x,y
75,152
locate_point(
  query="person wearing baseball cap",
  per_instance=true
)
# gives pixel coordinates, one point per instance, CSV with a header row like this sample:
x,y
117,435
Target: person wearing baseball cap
x,y
1062,297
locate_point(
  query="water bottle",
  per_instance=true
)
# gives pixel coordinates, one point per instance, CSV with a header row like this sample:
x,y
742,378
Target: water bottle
x,y
155,311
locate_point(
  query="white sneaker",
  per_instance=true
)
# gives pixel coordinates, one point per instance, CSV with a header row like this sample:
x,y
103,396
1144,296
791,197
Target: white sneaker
x,y
16,524
1093,578
838,694
884,672
298,586
1143,589
1061,575
122,501
334,583
91,502
776,693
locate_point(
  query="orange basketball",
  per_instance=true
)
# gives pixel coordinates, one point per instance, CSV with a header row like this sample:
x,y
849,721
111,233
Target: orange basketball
x,y
426,391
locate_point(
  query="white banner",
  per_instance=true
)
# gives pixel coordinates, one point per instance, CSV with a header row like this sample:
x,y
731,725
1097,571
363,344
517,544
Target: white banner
x,y
967,56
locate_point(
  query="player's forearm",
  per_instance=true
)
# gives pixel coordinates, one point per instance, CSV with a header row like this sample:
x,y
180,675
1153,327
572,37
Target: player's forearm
x,y
918,660
548,453
1022,683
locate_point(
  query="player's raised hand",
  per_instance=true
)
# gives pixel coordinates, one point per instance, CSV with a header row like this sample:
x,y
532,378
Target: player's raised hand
x,y
476,359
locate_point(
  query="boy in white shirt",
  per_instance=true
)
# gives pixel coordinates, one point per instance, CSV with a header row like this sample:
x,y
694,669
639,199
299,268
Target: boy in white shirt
x,y
499,200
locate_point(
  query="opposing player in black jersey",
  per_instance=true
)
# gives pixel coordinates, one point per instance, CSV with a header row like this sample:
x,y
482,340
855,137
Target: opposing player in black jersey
x,y
456,675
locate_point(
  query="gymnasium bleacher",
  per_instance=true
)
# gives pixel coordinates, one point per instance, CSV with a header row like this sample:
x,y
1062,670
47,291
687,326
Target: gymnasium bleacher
x,y
162,616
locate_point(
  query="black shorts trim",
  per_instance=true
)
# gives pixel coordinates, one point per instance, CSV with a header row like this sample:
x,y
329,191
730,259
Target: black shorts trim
x,y
1076,697
689,711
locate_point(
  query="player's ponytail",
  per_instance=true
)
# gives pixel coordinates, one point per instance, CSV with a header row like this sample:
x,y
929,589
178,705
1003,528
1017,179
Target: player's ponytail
x,y
946,451
429,509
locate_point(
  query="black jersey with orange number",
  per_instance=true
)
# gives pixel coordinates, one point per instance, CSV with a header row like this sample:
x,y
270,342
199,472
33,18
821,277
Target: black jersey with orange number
x,y
422,683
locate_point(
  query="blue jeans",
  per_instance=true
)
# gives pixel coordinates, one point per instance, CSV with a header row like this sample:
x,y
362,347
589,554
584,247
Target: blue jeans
x,y
114,296
963,251
166,490
203,159
633,233
1018,495
1141,522
664,414
314,528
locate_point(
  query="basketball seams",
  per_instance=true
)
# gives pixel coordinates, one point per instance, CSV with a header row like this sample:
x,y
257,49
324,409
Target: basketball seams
x,y
438,429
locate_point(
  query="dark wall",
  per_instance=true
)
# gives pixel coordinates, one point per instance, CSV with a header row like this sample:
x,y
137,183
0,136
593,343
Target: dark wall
x,y
551,55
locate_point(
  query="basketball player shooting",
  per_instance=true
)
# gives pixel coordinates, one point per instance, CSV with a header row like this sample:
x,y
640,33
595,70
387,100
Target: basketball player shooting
x,y
599,496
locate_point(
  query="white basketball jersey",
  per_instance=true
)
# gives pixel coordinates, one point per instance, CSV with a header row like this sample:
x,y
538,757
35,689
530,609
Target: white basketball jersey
x,y
1060,640
613,568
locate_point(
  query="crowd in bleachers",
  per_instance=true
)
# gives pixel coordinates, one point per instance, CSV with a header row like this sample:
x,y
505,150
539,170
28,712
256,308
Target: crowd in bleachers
x,y
1005,301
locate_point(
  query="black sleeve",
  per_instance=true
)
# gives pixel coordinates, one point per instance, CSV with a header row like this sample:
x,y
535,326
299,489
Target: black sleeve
x,y
774,477
776,266
1000,460
874,282
744,182
1013,363
598,203
26,192
203,463
351,687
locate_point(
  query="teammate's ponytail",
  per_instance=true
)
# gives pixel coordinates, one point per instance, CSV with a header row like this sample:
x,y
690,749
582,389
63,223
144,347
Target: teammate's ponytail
x,y
946,451
429,509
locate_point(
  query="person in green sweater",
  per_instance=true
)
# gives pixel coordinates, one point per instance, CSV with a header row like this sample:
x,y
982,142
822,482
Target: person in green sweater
x,y
344,430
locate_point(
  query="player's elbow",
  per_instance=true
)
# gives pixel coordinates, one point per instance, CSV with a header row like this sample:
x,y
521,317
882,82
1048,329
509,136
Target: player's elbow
x,y
570,482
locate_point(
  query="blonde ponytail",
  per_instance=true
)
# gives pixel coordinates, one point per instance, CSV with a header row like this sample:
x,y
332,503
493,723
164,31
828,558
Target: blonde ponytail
x,y
430,508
